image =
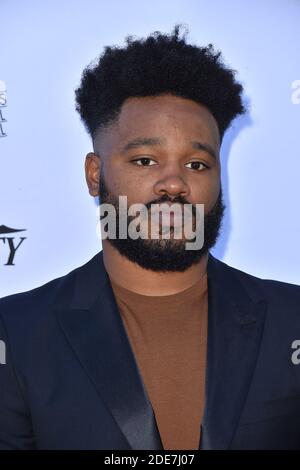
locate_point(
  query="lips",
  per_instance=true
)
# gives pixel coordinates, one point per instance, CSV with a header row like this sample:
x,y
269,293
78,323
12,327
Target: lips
x,y
176,215
168,216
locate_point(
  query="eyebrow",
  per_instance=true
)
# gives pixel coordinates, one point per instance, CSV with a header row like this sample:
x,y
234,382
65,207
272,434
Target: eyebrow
x,y
152,141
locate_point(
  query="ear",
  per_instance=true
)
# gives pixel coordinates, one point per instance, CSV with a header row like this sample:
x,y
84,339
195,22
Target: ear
x,y
92,173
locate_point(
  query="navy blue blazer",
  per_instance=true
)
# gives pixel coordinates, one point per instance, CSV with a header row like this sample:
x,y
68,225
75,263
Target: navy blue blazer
x,y
70,379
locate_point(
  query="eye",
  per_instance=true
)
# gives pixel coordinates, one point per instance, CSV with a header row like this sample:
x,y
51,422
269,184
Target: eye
x,y
143,161
199,166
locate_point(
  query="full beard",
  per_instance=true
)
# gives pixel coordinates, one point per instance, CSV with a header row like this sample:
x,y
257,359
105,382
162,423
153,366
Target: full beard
x,y
163,255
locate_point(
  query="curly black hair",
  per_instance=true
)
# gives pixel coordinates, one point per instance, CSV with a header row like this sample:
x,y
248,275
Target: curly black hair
x,y
159,64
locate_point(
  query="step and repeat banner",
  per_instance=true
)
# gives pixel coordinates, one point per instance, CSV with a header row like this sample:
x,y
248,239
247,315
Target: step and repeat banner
x,y
48,221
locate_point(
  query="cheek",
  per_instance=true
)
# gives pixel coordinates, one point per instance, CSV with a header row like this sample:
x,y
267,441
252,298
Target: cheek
x,y
116,177
122,182
206,192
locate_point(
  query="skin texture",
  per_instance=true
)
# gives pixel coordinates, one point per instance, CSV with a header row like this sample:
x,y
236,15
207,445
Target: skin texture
x,y
176,122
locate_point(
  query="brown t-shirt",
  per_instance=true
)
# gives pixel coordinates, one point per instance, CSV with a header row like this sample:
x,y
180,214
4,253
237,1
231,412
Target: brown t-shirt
x,y
168,336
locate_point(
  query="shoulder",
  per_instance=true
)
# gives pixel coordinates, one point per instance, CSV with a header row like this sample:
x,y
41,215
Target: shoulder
x,y
34,305
274,291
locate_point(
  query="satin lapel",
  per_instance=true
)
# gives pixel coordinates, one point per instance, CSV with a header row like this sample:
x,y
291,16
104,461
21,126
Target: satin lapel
x,y
235,326
95,331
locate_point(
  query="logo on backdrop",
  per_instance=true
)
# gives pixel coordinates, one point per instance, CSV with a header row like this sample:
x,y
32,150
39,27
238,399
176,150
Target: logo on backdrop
x,y
3,104
11,244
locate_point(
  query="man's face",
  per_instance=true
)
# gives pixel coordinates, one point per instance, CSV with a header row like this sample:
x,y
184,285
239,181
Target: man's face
x,y
161,149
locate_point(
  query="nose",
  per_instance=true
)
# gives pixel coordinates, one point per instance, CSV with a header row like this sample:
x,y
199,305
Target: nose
x,y
172,184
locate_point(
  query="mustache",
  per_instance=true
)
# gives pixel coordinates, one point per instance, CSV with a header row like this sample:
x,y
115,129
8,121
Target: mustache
x,y
165,198
176,200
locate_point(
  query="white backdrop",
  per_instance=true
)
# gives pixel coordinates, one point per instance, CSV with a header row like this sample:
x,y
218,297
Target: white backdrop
x,y
44,47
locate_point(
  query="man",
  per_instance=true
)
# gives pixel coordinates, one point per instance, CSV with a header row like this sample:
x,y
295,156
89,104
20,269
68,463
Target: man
x,y
151,345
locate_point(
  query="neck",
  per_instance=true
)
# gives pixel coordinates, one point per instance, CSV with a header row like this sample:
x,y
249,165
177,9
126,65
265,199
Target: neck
x,y
143,281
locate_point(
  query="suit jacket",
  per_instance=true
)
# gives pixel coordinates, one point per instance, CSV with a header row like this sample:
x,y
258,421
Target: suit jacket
x,y
71,381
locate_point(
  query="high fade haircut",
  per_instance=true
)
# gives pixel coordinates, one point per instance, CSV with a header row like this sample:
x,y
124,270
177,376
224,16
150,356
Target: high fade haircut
x,y
157,65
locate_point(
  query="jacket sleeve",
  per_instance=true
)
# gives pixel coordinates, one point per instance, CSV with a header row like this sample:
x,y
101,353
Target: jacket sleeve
x,y
15,423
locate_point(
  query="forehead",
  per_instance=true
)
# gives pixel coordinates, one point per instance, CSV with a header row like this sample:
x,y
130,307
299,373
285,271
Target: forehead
x,y
167,116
